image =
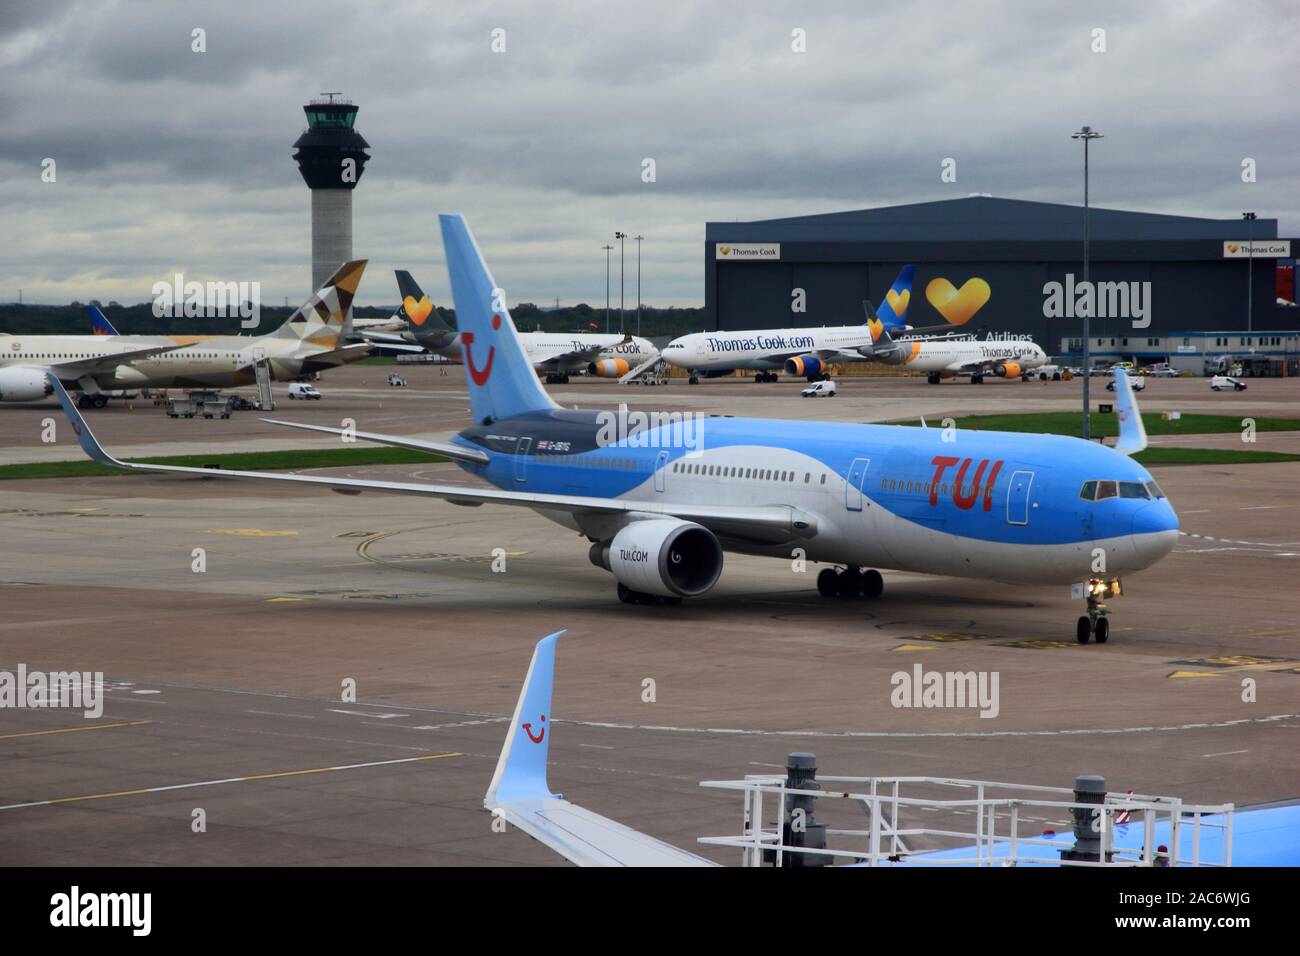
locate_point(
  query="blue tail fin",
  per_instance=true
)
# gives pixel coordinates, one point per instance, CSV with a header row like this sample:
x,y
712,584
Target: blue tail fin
x,y
501,380
892,311
99,323
521,768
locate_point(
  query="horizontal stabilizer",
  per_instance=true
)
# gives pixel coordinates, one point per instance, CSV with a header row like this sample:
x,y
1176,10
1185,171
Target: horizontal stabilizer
x,y
458,452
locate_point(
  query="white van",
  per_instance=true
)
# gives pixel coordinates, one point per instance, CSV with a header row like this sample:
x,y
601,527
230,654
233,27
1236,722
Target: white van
x,y
304,391
819,390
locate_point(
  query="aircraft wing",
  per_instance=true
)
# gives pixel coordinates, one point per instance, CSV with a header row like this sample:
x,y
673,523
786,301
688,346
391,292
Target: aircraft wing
x,y
581,356
380,338
77,368
772,523
341,356
520,793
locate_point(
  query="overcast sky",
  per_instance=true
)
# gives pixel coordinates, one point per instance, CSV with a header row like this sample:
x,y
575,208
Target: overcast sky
x,y
170,160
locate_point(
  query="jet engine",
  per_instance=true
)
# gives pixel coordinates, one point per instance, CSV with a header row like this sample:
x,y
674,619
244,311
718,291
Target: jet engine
x,y
1008,370
809,366
609,368
20,384
662,556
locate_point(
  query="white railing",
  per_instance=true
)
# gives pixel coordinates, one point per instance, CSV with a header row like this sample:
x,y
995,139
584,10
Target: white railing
x,y
997,839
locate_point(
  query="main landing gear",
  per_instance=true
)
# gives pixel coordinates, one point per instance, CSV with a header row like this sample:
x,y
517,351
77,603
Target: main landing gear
x,y
555,378
851,582
86,400
762,377
628,596
1094,624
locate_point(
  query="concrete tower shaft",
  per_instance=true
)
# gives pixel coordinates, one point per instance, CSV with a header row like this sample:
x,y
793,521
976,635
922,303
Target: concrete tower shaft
x,y
331,155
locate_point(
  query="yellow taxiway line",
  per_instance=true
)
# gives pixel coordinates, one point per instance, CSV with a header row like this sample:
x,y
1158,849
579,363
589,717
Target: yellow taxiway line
x,y
214,783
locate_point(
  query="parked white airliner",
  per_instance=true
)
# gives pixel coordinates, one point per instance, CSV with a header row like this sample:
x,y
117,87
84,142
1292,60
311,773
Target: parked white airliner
x,y
806,352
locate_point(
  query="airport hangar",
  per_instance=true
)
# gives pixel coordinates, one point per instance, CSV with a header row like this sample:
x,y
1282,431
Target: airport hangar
x,y
1198,270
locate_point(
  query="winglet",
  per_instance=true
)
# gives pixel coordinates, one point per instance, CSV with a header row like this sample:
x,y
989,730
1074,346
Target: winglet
x,y
79,427
1132,433
521,768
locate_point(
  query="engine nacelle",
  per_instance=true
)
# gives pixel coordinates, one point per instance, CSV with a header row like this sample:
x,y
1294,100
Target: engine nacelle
x,y
1008,370
809,366
609,368
662,556
18,384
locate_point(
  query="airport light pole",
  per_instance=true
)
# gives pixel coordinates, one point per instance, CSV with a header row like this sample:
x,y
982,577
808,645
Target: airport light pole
x,y
607,247
620,236
638,283
1250,268
1086,134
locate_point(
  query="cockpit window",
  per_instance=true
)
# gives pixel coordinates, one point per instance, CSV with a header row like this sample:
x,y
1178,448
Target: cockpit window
x,y
1100,490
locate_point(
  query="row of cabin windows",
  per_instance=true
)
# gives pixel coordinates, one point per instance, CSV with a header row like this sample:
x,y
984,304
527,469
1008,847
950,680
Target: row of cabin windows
x,y
68,355
907,486
736,471
579,461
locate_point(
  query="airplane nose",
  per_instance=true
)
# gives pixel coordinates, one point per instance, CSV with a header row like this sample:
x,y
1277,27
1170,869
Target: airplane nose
x,y
1155,531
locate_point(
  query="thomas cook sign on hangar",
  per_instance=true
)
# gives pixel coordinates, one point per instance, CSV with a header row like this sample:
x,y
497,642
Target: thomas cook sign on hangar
x,y
741,251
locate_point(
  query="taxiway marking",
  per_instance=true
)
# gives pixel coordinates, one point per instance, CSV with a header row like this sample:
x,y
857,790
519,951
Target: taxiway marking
x,y
214,783
74,730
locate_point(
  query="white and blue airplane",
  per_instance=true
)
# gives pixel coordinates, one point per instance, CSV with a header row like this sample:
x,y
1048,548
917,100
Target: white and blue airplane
x,y
663,499
806,352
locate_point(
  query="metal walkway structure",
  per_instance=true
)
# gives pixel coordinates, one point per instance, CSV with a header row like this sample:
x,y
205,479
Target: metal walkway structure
x,y
1108,829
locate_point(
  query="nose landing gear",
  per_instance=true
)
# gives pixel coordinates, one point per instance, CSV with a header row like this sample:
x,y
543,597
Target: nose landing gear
x,y
1094,624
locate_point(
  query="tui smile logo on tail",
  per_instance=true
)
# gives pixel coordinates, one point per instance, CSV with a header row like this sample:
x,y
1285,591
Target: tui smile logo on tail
x,y
480,376
528,729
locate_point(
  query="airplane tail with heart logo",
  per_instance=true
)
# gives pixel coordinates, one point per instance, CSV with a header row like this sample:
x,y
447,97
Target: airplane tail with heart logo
x,y
501,379
891,314
892,311
417,309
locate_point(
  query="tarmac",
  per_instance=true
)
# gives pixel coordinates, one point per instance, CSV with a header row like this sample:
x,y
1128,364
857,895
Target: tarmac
x,y
227,687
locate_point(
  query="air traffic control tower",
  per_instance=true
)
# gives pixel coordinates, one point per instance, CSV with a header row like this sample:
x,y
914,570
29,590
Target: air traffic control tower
x,y
331,156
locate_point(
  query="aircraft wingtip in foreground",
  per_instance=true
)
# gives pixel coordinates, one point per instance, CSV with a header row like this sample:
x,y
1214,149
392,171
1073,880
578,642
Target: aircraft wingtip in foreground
x,y
663,499
520,793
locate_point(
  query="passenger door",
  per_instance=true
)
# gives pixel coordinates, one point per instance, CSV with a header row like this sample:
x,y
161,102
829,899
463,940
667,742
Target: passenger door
x,y
1018,497
853,486
522,448
661,463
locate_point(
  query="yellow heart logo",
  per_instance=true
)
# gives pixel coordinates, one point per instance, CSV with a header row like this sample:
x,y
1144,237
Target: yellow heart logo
x,y
957,305
898,301
1233,247
417,311
725,250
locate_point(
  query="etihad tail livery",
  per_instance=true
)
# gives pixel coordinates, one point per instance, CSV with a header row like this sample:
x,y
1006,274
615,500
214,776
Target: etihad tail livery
x,y
800,352
308,341
661,498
